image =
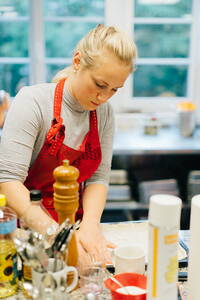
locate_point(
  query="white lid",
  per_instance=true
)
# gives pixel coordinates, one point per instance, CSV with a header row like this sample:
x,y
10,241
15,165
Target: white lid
x,y
165,210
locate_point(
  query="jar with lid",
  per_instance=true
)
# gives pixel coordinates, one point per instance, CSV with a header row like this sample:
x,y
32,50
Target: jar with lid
x,y
151,125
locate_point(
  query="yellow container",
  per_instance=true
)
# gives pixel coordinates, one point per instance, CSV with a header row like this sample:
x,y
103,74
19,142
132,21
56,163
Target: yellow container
x,y
186,118
8,252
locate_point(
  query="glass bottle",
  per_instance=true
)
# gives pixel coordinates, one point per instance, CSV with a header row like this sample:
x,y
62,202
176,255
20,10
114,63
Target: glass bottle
x,y
36,199
8,252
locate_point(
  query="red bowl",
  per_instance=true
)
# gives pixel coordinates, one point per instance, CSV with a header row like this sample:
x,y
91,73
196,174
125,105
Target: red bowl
x,y
127,279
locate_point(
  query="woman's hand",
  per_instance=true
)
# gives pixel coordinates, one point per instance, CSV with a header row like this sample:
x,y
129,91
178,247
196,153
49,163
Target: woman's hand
x,y
92,246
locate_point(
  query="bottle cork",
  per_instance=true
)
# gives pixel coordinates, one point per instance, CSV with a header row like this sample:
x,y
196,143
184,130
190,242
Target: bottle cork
x,y
66,201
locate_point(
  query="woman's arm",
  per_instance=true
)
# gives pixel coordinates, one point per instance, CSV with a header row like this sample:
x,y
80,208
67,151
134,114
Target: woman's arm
x,y
22,138
92,245
94,199
91,242
18,198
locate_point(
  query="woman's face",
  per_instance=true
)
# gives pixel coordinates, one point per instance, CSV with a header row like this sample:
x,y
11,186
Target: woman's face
x,y
92,87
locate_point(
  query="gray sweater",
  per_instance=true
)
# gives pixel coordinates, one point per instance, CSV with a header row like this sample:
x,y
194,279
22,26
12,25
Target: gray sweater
x,y
28,121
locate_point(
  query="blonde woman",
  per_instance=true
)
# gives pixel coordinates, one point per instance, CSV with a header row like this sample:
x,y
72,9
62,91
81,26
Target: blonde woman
x,y
83,119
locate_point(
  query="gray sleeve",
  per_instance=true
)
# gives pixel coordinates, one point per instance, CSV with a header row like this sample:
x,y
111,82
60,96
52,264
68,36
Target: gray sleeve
x,y
23,122
106,133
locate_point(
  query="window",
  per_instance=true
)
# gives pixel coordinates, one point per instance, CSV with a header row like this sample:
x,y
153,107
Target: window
x,y
37,37
167,34
162,32
14,52
66,22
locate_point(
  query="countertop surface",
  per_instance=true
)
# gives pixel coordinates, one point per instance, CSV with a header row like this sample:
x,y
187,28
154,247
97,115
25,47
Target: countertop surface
x,y
168,140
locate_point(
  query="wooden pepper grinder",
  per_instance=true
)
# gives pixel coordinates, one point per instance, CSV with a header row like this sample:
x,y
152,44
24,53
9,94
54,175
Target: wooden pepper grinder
x,y
66,201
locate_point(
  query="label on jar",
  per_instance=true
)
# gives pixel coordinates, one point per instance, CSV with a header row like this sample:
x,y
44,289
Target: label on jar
x,y
8,226
27,272
8,265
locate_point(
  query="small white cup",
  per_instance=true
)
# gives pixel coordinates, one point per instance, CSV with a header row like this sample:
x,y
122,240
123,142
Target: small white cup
x,y
62,272
129,259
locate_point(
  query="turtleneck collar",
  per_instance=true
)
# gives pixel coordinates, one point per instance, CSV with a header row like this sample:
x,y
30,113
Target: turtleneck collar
x,y
71,102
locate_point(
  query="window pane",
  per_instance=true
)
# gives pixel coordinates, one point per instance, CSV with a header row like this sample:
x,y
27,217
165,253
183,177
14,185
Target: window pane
x,y
166,40
13,42
52,69
160,81
74,8
61,38
13,77
13,8
169,8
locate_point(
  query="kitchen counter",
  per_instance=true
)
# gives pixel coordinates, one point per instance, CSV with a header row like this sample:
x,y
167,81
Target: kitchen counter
x,y
166,155
167,141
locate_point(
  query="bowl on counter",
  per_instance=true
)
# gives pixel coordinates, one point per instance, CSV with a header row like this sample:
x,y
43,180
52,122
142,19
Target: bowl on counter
x,y
131,281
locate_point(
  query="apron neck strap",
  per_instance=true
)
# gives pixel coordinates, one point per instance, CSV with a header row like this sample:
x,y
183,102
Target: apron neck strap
x,y
58,100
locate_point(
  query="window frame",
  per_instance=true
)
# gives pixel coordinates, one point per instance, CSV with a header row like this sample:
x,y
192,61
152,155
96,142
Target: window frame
x,y
14,60
124,101
122,18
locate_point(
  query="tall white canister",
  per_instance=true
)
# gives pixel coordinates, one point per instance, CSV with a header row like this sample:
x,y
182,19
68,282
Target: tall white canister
x,y
194,250
164,223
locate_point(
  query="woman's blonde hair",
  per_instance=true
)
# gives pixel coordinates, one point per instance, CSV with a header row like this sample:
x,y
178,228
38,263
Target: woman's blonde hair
x,y
100,38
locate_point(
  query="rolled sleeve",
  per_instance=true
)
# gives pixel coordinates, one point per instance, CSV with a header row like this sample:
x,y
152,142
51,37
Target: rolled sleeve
x,y
20,130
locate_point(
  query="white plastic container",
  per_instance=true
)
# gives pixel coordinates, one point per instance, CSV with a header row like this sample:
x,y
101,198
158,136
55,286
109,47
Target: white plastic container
x,y
194,246
164,222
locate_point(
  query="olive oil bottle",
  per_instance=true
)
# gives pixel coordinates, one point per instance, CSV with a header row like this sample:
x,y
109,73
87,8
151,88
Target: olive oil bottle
x,y
8,252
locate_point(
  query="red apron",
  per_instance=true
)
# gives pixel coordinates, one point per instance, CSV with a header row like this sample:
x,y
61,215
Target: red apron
x,y
87,158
